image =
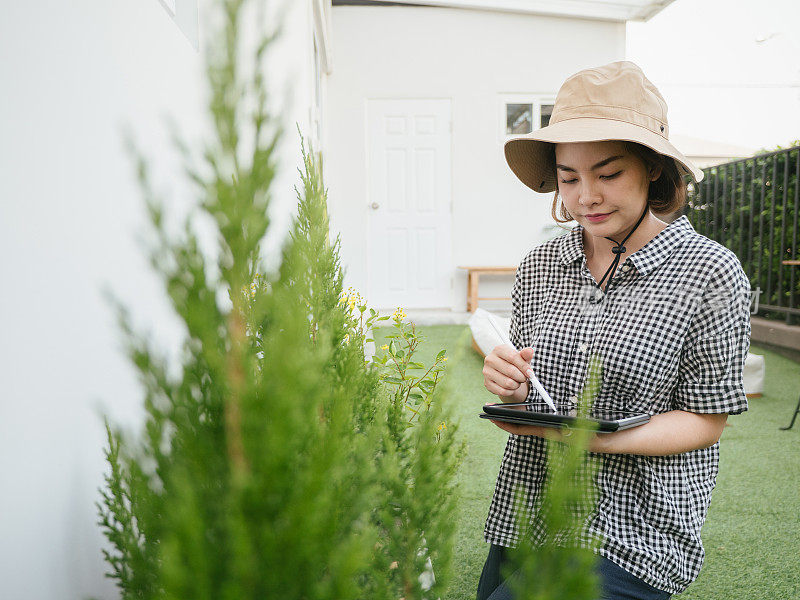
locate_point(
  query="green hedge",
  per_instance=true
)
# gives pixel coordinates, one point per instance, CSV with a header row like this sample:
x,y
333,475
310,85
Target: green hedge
x,y
750,206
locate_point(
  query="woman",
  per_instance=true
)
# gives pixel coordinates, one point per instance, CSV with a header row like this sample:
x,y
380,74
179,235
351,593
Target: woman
x,y
665,308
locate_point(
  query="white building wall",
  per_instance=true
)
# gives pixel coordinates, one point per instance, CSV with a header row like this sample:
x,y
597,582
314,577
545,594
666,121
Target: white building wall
x,y
471,57
734,77
71,74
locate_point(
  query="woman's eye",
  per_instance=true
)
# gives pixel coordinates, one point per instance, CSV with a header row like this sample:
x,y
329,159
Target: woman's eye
x,y
601,177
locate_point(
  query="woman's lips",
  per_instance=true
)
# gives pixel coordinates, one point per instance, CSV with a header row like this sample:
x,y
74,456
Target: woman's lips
x,y
597,218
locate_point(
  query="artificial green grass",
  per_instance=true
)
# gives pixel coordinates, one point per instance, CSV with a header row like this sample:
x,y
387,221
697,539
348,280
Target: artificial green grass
x,y
752,533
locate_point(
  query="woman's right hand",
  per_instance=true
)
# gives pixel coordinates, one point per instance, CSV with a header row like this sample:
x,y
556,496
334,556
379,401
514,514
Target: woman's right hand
x,y
506,372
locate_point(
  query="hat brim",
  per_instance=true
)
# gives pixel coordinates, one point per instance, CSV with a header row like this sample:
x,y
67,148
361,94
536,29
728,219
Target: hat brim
x,y
532,156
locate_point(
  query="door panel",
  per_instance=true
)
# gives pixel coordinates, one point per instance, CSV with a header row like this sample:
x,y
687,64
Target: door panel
x,y
409,203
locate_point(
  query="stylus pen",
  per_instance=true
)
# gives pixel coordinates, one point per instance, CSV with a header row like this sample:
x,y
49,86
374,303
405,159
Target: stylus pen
x,y
534,380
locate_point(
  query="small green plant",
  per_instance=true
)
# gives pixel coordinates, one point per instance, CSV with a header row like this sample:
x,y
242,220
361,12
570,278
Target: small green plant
x,y
410,383
418,459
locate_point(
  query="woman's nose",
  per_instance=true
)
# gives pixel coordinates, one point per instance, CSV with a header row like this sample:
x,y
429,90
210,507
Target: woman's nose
x,y
588,194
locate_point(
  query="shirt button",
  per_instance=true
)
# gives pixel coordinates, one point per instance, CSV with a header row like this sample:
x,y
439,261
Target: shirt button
x,y
573,399
626,268
583,348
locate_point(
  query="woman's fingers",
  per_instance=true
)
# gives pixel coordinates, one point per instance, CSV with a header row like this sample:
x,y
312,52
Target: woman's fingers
x,y
504,368
497,383
513,362
496,389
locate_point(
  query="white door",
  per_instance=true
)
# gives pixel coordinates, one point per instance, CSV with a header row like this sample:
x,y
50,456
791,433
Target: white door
x,y
409,204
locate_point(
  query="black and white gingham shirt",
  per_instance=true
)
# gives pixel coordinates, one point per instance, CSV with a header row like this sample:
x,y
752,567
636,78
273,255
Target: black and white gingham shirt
x,y
673,331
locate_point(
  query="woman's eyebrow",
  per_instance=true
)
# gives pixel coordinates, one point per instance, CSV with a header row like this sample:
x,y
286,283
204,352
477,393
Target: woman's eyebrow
x,y
602,163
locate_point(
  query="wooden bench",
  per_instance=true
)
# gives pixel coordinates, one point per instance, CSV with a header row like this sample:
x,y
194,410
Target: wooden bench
x,y
473,278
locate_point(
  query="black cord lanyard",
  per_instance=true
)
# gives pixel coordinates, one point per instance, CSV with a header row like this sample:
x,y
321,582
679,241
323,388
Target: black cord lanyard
x,y
618,250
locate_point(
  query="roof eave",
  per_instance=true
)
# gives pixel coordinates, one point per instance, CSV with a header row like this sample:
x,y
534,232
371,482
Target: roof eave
x,y
619,11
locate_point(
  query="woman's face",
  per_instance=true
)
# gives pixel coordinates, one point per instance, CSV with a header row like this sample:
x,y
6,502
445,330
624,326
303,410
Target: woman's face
x,y
604,180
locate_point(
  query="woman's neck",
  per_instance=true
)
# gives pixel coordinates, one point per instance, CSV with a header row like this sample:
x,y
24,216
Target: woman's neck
x,y
598,248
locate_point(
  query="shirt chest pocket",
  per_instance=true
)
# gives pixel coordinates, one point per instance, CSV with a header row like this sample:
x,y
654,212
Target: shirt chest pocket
x,y
640,347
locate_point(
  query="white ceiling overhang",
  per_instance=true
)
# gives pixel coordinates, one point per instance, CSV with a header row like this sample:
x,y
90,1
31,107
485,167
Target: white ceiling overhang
x,y
621,10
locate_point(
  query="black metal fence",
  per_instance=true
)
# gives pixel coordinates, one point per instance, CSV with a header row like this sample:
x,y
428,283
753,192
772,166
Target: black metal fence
x,y
751,207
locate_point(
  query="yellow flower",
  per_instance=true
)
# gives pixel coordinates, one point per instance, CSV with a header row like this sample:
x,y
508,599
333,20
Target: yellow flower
x,y
442,425
351,298
385,347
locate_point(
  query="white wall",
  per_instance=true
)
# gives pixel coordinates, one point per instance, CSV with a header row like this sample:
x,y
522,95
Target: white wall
x,y
71,74
719,81
470,57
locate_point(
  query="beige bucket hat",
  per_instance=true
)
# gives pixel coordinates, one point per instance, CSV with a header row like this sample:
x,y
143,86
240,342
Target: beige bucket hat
x,y
612,102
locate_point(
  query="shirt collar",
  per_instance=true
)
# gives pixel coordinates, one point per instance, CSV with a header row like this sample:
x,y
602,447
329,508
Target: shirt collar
x,y
647,258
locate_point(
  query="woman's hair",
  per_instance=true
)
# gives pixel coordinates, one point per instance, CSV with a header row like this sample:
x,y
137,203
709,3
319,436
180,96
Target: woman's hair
x,y
666,195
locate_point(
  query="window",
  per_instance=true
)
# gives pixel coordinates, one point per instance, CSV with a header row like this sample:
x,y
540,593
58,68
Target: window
x,y
545,110
522,113
519,118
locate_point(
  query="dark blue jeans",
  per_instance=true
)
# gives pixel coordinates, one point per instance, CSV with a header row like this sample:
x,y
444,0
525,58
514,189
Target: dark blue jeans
x,y
615,582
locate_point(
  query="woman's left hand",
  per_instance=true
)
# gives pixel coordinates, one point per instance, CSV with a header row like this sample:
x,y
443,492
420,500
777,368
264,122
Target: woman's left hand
x,y
673,432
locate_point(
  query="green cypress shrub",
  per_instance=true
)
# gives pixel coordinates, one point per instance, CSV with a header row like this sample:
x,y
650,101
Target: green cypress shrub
x,y
272,462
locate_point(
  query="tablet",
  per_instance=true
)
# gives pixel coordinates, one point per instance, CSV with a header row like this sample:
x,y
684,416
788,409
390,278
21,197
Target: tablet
x,y
607,421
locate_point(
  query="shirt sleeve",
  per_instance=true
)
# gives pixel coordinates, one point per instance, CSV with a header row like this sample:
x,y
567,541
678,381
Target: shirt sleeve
x,y
710,374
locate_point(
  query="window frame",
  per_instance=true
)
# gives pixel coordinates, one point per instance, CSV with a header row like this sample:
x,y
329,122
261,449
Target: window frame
x,y
535,100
